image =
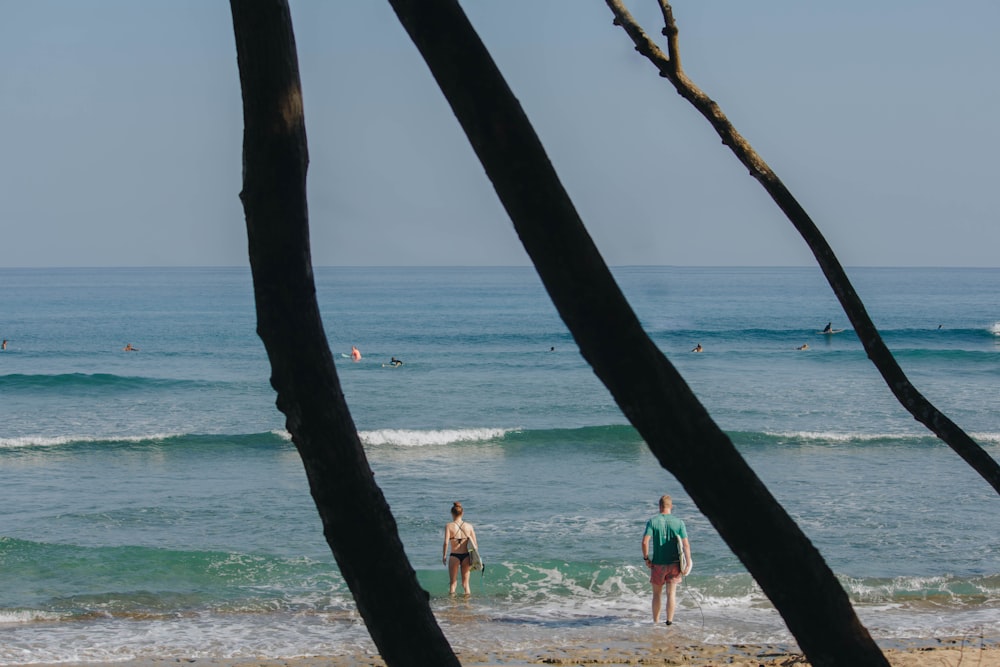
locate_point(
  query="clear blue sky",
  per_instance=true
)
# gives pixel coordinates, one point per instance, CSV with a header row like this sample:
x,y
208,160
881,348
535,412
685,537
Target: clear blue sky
x,y
120,133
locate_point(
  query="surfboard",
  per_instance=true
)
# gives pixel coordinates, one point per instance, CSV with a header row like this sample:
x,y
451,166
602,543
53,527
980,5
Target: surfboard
x,y
832,331
476,562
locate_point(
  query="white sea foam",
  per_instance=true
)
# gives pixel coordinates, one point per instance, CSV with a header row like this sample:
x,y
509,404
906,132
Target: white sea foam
x,y
20,616
422,438
194,637
61,440
831,436
418,438
35,441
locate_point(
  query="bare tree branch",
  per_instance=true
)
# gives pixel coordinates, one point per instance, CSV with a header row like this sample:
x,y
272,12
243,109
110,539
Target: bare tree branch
x,y
645,385
350,504
922,409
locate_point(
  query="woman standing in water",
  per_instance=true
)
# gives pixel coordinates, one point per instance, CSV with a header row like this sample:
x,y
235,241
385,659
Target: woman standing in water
x,y
458,535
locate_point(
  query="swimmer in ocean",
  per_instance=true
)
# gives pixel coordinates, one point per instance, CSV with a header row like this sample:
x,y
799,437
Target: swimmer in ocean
x,y
697,348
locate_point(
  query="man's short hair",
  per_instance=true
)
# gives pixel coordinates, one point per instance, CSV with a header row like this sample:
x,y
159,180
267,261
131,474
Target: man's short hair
x,y
666,501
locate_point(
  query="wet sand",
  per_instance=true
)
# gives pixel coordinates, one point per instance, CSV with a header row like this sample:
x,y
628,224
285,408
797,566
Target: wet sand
x,y
956,652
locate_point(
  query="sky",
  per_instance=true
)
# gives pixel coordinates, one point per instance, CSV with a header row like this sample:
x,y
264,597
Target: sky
x,y
121,130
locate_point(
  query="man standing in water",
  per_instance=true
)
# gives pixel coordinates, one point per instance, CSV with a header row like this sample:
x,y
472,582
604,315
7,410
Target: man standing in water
x,y
663,558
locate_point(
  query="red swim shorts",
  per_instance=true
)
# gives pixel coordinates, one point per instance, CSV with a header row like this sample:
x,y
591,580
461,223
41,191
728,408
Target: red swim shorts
x,y
665,574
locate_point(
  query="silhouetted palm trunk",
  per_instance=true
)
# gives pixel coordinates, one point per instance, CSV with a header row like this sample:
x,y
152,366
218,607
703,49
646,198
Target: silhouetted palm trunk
x,y
646,386
356,519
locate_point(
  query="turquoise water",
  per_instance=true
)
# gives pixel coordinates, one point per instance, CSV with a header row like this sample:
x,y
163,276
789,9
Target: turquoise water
x,y
155,506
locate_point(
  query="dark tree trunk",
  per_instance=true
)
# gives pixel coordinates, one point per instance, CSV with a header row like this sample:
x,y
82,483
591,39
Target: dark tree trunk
x,y
669,66
646,386
356,519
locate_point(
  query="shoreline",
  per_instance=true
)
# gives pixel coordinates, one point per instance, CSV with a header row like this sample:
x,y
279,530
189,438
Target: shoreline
x,y
950,652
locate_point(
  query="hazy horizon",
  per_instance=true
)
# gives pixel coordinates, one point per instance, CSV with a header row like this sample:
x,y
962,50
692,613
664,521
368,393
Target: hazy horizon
x,y
123,134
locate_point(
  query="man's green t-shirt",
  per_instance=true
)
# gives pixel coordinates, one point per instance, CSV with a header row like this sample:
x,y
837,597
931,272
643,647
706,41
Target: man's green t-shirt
x,y
664,529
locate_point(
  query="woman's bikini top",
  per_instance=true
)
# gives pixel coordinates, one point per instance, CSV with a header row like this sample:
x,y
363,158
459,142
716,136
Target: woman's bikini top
x,y
459,541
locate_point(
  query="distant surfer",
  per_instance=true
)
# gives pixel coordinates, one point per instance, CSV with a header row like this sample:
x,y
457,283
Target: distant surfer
x,y
128,347
828,328
395,362
697,348
3,346
355,353
804,346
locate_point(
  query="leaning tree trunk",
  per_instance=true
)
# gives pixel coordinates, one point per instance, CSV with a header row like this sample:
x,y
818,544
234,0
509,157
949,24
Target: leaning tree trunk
x,y
350,504
645,385
669,66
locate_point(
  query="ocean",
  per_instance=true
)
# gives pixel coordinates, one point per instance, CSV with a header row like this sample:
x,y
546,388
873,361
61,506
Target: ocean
x,y
154,506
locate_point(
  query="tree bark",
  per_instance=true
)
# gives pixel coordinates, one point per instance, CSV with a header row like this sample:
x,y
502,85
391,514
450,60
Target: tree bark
x,y
275,159
645,385
669,66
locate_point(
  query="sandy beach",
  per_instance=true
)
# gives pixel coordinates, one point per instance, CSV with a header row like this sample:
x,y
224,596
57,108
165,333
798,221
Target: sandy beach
x,y
954,652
